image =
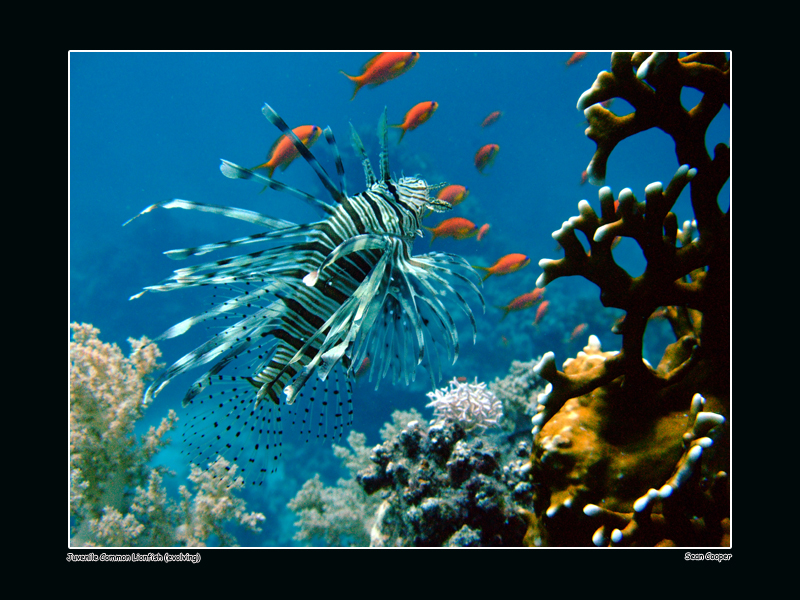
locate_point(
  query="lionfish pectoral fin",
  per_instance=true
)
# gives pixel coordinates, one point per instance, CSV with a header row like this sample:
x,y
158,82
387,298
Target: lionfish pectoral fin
x,y
146,210
358,243
234,171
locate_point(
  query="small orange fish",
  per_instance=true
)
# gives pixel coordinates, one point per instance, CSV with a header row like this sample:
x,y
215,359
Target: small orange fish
x,y
457,227
522,302
283,152
579,329
541,311
382,68
504,341
491,118
584,177
461,379
575,58
417,116
483,230
454,194
508,264
485,156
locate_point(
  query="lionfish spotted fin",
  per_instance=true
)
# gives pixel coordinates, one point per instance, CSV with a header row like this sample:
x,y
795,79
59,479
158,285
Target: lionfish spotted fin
x,y
301,314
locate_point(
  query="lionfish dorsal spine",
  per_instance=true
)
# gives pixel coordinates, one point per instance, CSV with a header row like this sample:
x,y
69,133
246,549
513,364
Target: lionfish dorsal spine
x,y
383,135
337,157
326,180
358,146
234,171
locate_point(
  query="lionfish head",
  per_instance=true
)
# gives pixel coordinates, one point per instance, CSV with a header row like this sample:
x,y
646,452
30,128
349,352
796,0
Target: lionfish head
x,y
420,194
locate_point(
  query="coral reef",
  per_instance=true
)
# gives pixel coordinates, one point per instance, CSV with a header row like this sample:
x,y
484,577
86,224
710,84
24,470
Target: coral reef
x,y
450,483
518,393
116,499
624,453
443,486
342,515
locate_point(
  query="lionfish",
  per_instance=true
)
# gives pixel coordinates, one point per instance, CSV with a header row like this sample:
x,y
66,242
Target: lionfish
x,y
313,306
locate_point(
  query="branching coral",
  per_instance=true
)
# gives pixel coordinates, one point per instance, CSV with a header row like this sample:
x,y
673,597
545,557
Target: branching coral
x,y
472,405
343,514
610,426
115,499
518,393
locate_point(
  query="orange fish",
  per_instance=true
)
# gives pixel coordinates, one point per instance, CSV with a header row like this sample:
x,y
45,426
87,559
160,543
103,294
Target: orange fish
x,y
541,311
454,194
522,302
382,68
579,329
576,57
584,177
491,118
485,156
417,116
508,264
482,231
456,227
283,152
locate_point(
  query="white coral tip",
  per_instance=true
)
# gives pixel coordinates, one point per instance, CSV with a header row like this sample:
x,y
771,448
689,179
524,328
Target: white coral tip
x,y
541,281
594,343
591,510
598,539
547,357
709,417
602,232
654,188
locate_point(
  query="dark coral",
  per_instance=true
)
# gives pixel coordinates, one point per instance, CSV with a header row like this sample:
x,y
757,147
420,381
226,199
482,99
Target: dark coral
x,y
443,487
636,454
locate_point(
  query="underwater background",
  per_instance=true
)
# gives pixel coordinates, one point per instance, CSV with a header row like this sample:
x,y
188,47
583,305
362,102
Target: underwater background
x,y
148,127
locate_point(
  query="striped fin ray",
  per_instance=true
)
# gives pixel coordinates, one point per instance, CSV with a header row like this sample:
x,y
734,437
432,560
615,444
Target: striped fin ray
x,y
337,157
358,146
234,171
383,136
257,266
326,180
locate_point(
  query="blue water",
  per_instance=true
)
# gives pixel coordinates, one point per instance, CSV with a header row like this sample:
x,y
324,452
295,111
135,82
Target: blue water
x,y
148,127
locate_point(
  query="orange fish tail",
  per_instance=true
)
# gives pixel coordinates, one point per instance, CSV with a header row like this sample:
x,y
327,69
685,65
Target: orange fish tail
x,y
270,170
487,269
355,79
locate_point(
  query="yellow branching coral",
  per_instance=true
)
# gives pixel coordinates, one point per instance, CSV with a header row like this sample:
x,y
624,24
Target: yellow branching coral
x,y
611,431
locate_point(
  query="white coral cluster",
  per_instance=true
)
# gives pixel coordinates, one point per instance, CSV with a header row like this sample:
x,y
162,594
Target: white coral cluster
x,y
470,404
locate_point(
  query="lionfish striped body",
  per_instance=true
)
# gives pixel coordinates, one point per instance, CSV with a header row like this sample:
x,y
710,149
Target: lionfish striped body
x,y
314,305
